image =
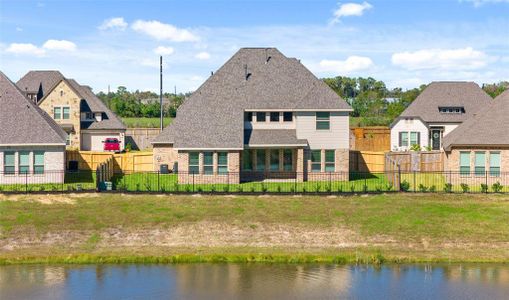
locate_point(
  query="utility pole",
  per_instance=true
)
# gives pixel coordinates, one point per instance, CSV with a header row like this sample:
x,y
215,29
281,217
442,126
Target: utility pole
x,y
161,89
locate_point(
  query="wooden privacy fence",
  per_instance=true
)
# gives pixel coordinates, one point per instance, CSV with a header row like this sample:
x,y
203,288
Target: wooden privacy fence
x,y
105,170
397,163
122,162
141,138
371,138
366,161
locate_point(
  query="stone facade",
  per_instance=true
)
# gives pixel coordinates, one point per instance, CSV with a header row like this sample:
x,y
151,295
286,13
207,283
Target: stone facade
x,y
54,165
63,96
452,166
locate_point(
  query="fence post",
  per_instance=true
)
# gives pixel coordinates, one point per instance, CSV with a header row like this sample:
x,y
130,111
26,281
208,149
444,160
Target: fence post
x,y
158,181
486,181
193,180
295,183
26,182
399,178
414,183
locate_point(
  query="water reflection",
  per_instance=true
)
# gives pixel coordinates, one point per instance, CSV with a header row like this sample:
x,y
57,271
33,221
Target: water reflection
x,y
248,281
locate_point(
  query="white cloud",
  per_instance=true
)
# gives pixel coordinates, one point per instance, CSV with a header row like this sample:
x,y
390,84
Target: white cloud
x,y
19,29
478,3
112,23
25,49
59,45
351,64
462,58
202,55
164,50
161,31
350,9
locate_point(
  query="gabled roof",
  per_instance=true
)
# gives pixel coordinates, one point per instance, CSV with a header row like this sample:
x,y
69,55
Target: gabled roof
x,y
22,122
447,94
33,81
90,103
488,128
212,117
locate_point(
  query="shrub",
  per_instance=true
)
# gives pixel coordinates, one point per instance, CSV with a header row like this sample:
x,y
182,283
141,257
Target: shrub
x,y
448,187
188,188
423,188
304,189
497,187
278,188
147,185
199,189
252,189
432,189
317,188
415,147
226,189
484,188
340,189
240,189
389,186
128,147
292,189
352,188
137,187
404,186
176,187
328,188
365,188
264,188
378,188
464,187
212,188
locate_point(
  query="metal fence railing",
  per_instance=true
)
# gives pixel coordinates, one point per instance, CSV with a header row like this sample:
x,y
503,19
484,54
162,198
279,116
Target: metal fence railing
x,y
476,181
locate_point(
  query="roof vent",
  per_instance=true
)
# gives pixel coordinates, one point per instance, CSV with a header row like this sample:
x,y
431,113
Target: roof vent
x,y
246,73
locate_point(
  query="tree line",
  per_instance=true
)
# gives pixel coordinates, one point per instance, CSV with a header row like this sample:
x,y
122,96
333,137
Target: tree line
x,y
372,102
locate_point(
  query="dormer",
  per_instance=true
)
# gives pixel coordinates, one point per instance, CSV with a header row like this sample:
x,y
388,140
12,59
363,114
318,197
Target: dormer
x,y
451,109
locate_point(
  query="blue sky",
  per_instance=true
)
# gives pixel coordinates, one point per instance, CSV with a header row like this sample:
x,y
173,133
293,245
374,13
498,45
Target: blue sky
x,y
404,43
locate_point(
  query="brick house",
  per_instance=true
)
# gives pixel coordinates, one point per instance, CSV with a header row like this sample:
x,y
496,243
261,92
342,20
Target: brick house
x,y
261,115
479,148
32,145
85,118
438,110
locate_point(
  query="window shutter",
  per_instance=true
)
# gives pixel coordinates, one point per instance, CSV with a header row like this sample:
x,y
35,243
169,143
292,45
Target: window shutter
x,y
418,138
400,138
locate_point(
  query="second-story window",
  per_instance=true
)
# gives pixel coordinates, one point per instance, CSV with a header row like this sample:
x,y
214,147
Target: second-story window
x,y
260,116
287,116
322,121
57,113
274,116
66,113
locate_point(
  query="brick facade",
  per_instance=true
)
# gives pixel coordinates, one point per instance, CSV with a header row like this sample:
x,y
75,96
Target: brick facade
x,y
341,166
184,177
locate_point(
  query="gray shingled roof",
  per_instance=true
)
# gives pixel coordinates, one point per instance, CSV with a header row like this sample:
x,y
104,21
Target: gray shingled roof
x,y
90,103
212,117
256,137
488,128
447,94
34,81
23,122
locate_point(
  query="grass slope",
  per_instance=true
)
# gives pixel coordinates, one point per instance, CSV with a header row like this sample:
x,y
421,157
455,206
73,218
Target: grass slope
x,y
145,122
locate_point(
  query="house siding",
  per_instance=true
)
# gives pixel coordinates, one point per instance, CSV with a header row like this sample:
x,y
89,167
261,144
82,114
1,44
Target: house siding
x,y
69,98
337,137
408,125
54,165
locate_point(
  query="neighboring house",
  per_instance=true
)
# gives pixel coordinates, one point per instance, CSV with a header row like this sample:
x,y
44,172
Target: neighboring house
x,y
436,112
32,145
480,146
75,108
260,115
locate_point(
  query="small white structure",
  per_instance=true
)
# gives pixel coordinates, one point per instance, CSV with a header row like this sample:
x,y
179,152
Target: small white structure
x,y
436,112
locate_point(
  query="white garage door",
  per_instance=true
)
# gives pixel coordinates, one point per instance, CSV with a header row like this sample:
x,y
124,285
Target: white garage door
x,y
94,141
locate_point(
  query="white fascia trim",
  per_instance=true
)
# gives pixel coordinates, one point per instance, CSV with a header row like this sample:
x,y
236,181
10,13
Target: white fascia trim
x,y
292,109
207,149
32,144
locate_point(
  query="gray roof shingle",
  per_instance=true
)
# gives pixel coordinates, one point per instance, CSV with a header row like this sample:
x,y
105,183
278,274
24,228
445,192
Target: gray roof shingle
x,y
22,122
39,81
212,117
447,94
488,128
257,137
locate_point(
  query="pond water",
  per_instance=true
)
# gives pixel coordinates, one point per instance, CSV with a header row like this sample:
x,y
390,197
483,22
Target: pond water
x,y
254,281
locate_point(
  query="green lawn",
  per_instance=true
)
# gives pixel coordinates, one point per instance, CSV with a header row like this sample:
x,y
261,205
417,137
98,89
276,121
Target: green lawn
x,y
79,181
400,227
145,122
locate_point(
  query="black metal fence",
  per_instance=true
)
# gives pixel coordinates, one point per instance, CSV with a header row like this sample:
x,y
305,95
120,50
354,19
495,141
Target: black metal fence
x,y
258,182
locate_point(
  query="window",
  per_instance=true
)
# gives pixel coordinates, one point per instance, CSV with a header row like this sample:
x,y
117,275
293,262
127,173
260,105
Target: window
x,y
316,161
260,160
465,163
274,117
222,162
274,160
260,117
452,110
208,163
403,139
495,164
194,162
66,113
322,121
248,116
247,160
480,163
329,161
9,164
57,113
288,160
415,138
23,162
288,116
38,162
68,139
